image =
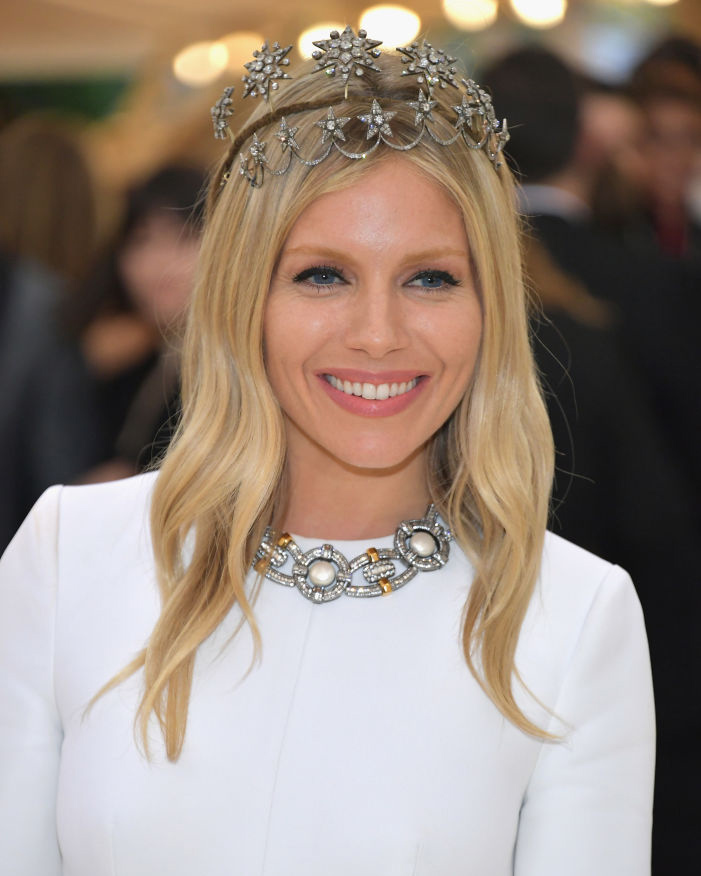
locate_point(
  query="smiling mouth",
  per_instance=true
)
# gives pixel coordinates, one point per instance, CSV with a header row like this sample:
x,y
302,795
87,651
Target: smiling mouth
x,y
372,391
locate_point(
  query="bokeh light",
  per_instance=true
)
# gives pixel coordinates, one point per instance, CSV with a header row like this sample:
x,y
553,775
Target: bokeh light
x,y
394,25
240,46
471,14
200,63
540,13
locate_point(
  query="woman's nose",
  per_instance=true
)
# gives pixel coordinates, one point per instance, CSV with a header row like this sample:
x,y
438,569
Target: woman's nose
x,y
376,321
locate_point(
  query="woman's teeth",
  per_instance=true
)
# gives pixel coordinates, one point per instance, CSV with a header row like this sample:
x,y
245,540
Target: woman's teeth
x,y
380,391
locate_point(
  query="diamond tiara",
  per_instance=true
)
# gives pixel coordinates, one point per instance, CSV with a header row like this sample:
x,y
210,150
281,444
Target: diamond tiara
x,y
349,55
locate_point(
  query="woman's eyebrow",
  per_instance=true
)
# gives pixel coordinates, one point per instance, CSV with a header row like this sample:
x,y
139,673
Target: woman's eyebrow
x,y
326,252
437,252
422,255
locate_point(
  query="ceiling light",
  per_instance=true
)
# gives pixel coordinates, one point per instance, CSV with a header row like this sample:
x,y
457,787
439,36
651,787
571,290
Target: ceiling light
x,y
470,14
200,63
394,25
240,46
540,13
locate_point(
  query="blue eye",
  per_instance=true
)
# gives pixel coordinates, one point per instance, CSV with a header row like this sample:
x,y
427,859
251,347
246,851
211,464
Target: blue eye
x,y
433,280
322,275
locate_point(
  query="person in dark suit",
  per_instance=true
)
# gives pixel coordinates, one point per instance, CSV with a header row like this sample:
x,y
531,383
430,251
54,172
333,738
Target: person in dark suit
x,y
49,428
667,86
655,299
620,366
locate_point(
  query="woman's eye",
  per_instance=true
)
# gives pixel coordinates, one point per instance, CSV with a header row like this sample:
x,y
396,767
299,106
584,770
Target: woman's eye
x,y
433,280
319,276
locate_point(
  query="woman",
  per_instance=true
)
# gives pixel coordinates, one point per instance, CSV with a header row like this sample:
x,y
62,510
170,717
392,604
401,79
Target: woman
x,y
136,301
357,349
49,223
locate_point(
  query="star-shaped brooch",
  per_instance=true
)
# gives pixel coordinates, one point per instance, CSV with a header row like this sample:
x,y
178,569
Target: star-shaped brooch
x,y
377,121
265,69
466,110
422,106
221,112
286,136
476,103
430,65
346,53
331,127
257,151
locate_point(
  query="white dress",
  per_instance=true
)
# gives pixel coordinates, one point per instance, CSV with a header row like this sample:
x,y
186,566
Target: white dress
x,y
360,744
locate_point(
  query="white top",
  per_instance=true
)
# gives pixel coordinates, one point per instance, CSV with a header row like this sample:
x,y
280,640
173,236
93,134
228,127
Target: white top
x,y
360,744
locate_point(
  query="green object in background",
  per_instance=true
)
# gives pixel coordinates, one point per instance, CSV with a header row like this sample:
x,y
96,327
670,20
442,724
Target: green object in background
x,y
91,99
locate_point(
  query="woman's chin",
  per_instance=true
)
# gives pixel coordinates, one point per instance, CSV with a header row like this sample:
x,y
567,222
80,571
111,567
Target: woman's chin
x,y
379,458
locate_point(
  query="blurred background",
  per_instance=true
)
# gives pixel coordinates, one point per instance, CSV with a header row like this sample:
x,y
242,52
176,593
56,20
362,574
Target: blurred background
x,y
106,143
141,72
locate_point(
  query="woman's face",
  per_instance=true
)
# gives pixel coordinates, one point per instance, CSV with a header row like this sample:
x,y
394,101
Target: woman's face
x,y
157,265
373,320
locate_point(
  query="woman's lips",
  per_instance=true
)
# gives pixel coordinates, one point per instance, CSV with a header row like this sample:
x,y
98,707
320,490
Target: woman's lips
x,y
354,390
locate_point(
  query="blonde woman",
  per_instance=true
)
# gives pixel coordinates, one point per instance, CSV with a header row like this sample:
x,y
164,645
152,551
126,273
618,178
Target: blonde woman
x,y
196,676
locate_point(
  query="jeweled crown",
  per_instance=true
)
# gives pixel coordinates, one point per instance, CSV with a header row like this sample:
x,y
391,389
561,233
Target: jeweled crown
x,y
349,55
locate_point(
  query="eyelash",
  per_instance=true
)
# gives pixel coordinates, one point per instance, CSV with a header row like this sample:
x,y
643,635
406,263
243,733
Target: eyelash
x,y
307,273
447,278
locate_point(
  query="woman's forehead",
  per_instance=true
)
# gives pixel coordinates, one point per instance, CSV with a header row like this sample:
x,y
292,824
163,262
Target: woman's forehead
x,y
394,204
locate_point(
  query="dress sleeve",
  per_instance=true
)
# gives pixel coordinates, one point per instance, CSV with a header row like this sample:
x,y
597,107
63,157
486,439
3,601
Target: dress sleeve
x,y
30,728
588,807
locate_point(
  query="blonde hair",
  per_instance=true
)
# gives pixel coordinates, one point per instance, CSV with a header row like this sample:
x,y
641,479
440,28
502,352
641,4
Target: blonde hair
x,y
490,465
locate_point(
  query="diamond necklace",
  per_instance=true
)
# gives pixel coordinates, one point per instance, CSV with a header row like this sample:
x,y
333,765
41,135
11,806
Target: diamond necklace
x,y
324,573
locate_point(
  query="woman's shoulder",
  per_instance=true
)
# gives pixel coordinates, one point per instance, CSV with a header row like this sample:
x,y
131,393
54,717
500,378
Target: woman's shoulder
x,y
572,579
105,517
89,517
578,591
112,498
566,564
584,614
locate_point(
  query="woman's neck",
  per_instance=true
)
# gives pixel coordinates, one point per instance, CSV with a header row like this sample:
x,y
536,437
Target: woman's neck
x,y
327,499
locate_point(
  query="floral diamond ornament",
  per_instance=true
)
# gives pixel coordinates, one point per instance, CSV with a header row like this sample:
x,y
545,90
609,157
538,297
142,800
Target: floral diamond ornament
x,y
429,65
346,53
476,113
222,111
475,103
265,70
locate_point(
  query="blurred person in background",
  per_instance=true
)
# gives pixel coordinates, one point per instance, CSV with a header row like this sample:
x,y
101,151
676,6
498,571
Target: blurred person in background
x,y
134,302
613,325
561,155
667,86
48,197
48,415
614,129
